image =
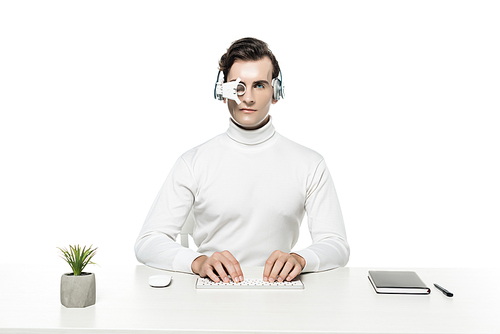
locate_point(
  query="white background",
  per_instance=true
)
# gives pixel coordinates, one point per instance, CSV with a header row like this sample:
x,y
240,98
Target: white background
x,y
99,98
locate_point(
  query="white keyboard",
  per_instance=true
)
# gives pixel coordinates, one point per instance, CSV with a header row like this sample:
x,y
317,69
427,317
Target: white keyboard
x,y
252,283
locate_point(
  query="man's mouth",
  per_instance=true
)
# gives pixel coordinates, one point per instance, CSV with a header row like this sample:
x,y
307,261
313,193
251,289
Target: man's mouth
x,y
247,110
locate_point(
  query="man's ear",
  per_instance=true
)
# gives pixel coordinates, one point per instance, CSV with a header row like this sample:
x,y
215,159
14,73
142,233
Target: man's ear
x,y
274,101
224,100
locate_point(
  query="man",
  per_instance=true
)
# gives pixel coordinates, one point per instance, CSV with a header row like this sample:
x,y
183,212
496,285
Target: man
x,y
249,189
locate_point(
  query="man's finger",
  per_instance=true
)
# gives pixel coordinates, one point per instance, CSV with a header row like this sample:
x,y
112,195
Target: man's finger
x,y
294,273
269,265
277,267
221,270
212,276
234,270
287,268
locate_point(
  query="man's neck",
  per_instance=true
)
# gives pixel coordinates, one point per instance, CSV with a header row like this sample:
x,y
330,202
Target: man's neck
x,y
258,126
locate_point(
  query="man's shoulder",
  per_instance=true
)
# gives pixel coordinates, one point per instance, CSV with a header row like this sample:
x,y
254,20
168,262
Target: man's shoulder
x,y
300,150
207,146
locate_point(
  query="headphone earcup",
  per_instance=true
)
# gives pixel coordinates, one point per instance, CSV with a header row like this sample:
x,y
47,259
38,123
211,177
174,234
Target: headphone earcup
x,y
276,89
218,87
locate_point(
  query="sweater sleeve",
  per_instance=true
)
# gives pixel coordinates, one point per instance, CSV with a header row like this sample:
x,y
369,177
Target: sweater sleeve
x,y
156,245
329,248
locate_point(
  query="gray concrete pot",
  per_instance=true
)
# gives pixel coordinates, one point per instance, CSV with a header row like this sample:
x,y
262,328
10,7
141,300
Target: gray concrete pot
x,y
78,291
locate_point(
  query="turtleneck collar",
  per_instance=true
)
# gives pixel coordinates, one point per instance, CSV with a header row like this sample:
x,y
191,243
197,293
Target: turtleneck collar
x,y
251,137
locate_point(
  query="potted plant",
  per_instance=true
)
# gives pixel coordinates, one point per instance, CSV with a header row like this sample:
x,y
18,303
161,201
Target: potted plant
x,y
78,287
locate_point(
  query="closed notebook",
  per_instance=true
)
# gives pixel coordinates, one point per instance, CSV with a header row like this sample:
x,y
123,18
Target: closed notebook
x,y
400,282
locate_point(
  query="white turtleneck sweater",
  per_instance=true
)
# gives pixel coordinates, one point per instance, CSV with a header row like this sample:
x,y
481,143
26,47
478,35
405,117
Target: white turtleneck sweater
x,y
249,190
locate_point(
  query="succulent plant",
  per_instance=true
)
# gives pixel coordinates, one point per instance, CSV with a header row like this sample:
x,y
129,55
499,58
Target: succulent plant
x,y
78,257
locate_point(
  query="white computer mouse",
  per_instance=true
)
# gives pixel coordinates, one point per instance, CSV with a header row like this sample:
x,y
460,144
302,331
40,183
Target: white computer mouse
x,y
159,281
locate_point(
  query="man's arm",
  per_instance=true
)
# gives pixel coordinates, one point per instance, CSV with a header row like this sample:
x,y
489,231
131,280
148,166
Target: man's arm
x,y
156,245
329,248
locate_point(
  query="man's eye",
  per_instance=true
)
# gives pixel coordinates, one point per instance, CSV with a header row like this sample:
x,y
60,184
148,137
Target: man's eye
x,y
261,86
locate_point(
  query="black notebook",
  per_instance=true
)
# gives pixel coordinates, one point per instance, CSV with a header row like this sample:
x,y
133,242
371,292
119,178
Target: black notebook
x,y
400,282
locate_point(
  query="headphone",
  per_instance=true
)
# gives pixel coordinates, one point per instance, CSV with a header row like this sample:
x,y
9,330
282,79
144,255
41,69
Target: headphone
x,y
278,88
219,92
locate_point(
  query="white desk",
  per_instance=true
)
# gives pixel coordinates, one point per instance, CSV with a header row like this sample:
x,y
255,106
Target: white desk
x,y
29,303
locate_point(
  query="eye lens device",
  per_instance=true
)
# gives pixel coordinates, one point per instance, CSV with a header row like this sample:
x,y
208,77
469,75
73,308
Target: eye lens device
x,y
241,89
230,90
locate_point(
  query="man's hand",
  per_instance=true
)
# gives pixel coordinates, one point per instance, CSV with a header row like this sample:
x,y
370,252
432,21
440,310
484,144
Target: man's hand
x,y
282,266
222,264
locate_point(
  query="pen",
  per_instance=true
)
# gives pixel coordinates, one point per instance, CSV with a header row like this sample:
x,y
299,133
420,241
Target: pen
x,y
443,290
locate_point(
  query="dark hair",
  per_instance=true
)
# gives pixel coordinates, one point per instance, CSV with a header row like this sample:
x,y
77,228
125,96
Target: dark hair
x,y
247,48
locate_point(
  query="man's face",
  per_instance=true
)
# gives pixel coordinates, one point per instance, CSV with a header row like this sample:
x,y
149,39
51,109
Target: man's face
x,y
252,112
